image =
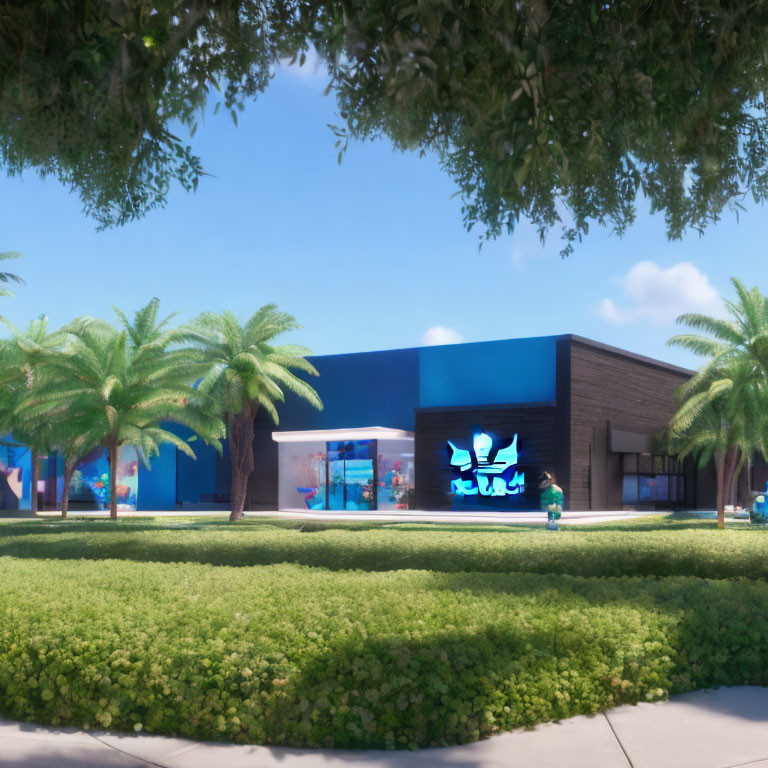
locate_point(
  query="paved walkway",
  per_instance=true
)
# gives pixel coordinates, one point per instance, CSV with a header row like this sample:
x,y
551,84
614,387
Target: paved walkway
x,y
478,518
725,728
409,516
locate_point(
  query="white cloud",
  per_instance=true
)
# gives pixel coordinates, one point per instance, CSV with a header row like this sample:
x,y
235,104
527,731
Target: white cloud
x,y
651,292
439,334
608,310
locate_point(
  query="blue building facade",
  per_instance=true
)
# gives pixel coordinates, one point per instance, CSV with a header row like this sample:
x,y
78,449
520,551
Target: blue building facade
x,y
485,419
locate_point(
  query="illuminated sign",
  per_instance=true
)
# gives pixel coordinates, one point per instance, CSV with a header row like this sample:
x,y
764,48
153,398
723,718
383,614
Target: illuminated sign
x,y
486,469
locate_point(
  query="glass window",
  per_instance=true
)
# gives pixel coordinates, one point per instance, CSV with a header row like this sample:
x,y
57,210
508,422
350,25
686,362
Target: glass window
x,y
645,463
301,475
647,489
630,462
358,482
681,489
395,473
351,449
629,490
673,488
336,484
658,465
662,487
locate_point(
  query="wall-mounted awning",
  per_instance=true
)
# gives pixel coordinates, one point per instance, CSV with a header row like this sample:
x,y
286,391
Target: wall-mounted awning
x,y
623,441
333,435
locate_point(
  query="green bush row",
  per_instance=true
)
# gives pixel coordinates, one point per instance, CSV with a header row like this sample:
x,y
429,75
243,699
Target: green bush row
x,y
642,550
292,655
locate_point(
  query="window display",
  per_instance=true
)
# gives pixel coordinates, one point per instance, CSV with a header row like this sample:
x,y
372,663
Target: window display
x,y
352,470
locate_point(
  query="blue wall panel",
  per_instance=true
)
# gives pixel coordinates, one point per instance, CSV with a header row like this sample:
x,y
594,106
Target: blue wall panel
x,y
366,389
196,478
488,373
157,487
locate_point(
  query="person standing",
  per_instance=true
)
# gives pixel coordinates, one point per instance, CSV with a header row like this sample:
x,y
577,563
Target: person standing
x,y
551,499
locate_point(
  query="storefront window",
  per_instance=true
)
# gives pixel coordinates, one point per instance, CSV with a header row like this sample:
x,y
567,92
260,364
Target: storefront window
x,y
359,489
301,477
395,473
630,489
664,485
647,489
350,474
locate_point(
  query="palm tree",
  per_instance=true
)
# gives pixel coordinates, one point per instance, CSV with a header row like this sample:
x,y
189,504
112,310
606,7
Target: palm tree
x,y
730,390
71,433
8,277
23,358
742,335
247,373
722,417
122,385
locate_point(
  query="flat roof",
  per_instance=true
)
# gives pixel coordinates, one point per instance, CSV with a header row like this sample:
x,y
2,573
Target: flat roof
x,y
631,355
331,435
557,337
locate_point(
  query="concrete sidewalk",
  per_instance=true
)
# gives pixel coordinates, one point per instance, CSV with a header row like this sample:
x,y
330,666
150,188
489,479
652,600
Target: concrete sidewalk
x,y
390,516
725,728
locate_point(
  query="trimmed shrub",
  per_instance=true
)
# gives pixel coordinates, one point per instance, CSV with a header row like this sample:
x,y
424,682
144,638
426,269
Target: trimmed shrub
x,y
288,654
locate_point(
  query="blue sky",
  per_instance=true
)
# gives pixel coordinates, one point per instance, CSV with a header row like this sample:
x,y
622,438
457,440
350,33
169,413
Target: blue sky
x,y
369,254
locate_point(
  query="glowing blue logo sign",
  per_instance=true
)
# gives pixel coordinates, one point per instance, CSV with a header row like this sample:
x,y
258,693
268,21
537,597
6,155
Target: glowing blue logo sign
x,y
486,469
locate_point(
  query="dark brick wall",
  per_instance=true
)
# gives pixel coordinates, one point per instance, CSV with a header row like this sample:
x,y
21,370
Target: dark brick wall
x,y
534,426
630,393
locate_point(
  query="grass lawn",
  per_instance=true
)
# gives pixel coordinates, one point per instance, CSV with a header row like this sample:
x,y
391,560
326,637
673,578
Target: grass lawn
x,y
359,635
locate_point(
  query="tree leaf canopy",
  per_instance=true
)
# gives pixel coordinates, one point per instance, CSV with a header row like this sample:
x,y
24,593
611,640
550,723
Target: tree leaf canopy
x,y
558,111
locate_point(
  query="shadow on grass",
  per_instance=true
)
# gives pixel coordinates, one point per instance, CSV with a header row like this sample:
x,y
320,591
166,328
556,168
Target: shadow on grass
x,y
610,553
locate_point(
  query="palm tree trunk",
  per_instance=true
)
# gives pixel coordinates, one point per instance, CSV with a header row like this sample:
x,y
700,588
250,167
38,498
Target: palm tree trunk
x,y
35,475
731,457
69,469
736,477
720,466
113,449
240,438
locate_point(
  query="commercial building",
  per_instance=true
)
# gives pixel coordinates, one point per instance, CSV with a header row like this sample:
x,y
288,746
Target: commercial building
x,y
466,426
484,419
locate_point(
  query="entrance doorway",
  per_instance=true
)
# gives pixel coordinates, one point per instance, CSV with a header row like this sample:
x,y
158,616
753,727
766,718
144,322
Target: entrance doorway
x,y
351,475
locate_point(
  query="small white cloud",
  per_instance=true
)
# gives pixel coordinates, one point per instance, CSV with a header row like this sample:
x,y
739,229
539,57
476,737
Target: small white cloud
x,y
651,292
608,310
439,334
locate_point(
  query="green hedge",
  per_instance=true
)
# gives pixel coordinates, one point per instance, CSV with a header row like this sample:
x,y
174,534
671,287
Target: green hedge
x,y
288,654
659,549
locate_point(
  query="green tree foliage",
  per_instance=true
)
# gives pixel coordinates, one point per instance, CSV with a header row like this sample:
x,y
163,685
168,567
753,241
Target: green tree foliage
x,y
89,91
92,384
122,386
554,110
22,360
8,277
722,417
246,372
723,409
